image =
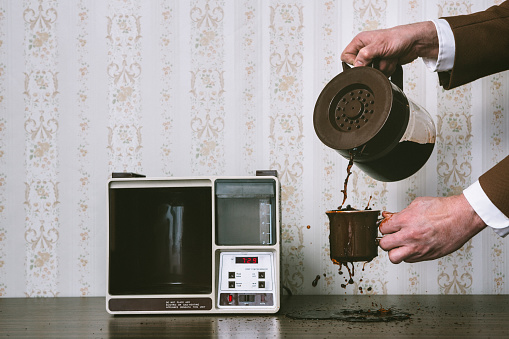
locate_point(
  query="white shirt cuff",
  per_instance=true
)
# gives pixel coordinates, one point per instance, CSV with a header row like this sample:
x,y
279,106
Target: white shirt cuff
x,y
446,48
488,212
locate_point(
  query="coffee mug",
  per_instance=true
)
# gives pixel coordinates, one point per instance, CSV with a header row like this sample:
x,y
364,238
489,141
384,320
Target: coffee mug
x,y
353,235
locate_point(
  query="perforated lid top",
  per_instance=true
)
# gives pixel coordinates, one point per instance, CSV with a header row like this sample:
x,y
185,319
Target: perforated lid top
x,y
352,108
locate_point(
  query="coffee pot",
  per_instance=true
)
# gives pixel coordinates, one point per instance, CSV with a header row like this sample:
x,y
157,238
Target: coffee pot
x,y
365,116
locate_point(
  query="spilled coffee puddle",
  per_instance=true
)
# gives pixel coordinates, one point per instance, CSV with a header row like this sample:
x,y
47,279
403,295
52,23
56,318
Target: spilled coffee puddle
x,y
367,316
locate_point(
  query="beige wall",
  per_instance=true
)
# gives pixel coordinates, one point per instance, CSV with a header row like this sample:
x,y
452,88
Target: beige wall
x,y
180,88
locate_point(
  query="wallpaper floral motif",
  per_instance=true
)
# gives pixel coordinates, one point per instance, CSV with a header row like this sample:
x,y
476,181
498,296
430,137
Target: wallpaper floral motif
x,y
167,45
207,86
124,70
83,207
495,134
331,167
3,148
217,87
286,130
250,106
41,96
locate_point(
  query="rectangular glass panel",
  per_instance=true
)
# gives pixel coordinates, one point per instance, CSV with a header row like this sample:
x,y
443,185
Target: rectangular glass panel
x,y
160,240
245,212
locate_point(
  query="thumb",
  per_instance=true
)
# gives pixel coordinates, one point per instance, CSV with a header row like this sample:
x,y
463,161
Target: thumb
x,y
386,214
364,57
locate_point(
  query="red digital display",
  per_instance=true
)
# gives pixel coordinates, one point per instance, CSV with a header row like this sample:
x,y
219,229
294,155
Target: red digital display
x,y
246,260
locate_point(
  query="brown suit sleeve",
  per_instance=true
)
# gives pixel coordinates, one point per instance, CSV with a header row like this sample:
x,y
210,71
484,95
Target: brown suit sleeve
x,y
482,48
482,45
495,183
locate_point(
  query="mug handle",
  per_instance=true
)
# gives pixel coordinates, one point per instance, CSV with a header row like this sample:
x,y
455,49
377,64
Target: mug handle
x,y
378,222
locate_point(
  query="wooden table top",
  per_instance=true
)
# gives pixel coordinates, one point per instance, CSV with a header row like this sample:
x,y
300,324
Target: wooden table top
x,y
431,316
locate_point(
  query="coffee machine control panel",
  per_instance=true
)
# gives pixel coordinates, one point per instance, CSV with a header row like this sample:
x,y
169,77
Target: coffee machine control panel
x,y
246,279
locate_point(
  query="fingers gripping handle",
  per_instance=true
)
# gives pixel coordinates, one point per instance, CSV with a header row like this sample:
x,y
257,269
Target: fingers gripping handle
x,y
396,77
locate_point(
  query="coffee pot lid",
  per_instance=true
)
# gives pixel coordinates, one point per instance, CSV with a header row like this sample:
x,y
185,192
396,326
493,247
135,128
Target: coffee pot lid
x,y
353,107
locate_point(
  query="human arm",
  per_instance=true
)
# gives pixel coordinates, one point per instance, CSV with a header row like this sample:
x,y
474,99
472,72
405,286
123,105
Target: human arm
x,y
484,207
435,236
429,228
481,43
495,183
393,46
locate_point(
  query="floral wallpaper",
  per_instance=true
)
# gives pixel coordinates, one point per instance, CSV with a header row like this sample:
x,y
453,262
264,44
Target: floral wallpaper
x,y
3,146
42,162
83,206
286,133
217,87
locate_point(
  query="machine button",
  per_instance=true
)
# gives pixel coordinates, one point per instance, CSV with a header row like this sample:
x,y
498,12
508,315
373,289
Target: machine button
x,y
261,275
261,284
246,298
231,284
231,275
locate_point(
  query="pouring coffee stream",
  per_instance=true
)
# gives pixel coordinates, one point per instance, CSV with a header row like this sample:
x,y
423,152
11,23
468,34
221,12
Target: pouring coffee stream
x,y
368,120
351,233
345,185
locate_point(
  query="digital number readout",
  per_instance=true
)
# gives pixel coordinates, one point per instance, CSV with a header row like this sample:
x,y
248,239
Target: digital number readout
x,y
246,260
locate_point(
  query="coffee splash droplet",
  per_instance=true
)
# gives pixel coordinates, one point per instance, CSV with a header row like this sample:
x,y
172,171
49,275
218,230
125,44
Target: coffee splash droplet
x,y
315,282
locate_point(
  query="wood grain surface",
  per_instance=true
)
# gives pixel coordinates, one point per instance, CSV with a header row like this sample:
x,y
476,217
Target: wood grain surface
x,y
432,316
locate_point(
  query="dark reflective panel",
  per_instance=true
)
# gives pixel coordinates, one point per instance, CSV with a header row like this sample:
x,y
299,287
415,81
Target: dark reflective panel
x,y
160,240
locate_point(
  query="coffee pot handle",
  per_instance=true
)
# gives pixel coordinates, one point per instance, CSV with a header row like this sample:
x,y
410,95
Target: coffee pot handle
x,y
396,77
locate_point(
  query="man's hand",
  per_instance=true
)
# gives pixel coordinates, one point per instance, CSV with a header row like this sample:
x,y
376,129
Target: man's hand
x,y
429,228
397,45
